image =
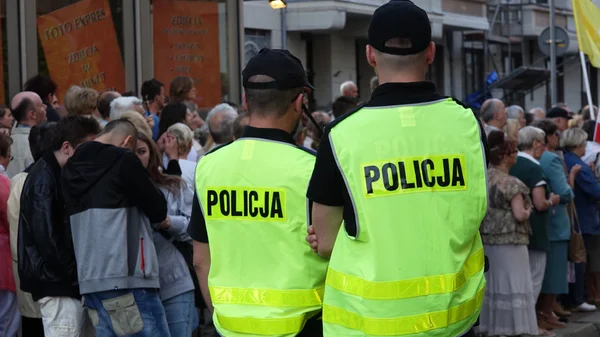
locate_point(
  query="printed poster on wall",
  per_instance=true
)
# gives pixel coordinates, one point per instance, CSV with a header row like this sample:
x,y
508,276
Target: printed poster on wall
x,y
186,43
81,47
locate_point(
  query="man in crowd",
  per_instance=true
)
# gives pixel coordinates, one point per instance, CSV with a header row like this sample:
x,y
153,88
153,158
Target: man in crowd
x,y
342,105
517,113
239,124
493,115
47,267
153,93
220,124
111,203
349,89
46,89
40,142
267,169
561,117
121,105
407,177
28,110
538,113
103,106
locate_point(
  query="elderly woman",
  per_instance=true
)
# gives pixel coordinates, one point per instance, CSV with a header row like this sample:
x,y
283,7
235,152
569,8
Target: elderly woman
x,y
184,137
83,102
587,195
559,227
532,144
508,306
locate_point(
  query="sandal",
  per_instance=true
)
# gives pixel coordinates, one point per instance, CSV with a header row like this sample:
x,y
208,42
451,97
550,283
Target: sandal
x,y
544,332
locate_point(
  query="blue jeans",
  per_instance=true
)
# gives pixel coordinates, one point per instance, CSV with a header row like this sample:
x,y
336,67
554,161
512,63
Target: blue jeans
x,y
182,315
128,312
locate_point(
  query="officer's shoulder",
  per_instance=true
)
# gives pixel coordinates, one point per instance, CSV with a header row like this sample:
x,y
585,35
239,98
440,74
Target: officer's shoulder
x,y
463,105
307,150
222,146
343,117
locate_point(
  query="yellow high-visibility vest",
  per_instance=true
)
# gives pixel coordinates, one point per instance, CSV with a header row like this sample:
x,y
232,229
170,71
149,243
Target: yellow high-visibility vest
x,y
417,180
264,278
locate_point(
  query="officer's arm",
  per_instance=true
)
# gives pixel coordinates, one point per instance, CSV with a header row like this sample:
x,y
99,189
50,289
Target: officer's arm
x,y
202,266
326,221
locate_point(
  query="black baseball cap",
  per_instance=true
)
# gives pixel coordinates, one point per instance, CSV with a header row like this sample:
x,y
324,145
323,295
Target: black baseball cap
x,y
557,112
280,64
400,19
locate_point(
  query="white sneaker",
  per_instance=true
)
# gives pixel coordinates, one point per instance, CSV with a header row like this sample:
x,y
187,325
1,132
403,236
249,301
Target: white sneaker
x,y
585,307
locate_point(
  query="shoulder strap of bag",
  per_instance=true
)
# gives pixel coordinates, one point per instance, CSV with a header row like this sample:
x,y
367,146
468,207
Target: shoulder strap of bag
x,y
574,218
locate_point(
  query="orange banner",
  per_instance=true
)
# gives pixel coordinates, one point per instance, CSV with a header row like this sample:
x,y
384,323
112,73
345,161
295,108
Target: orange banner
x,y
81,47
2,93
186,43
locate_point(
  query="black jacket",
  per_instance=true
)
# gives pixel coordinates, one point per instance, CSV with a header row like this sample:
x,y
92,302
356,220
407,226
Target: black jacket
x,y
47,264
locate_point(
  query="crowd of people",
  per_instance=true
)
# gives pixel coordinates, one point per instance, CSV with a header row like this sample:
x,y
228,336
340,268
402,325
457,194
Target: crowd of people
x,y
543,190
40,282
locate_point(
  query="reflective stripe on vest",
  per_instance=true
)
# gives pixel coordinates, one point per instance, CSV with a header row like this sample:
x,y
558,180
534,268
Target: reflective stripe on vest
x,y
417,182
255,212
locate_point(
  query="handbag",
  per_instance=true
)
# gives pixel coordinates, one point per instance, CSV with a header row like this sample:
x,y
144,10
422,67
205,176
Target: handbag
x,y
577,252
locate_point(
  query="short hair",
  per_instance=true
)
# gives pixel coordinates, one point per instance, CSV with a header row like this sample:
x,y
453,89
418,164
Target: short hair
x,y
514,112
121,127
342,105
42,85
585,112
398,62
546,125
269,101
129,93
21,110
489,108
233,105
529,118
173,113
40,138
140,123
239,124
221,132
193,107
3,109
69,100
528,135
500,146
74,129
179,88
589,126
572,138
84,102
151,89
184,136
104,100
344,86
374,83
123,104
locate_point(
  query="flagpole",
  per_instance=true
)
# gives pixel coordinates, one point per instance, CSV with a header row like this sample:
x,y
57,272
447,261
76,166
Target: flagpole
x,y
586,83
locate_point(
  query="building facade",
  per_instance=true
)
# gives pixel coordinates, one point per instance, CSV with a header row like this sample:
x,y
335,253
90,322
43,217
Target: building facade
x,y
119,44
473,38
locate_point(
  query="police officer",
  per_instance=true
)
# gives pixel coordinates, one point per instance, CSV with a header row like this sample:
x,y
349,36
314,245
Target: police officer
x,y
249,220
406,173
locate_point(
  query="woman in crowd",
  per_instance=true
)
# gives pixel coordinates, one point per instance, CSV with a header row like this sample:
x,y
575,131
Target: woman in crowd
x,y
172,114
587,196
6,118
559,227
532,145
10,318
512,129
184,137
509,304
176,284
84,102
195,124
322,118
182,89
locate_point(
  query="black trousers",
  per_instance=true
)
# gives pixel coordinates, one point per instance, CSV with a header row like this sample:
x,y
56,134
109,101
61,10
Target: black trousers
x,y
32,327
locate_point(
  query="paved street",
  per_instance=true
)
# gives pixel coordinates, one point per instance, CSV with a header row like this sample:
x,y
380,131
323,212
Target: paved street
x,y
582,325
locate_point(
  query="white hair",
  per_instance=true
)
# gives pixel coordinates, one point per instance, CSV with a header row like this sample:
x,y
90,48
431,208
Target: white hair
x,y
528,135
122,104
221,132
514,112
184,136
345,86
572,138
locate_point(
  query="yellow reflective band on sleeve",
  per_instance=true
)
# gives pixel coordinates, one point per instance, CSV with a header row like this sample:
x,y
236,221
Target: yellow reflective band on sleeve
x,y
403,325
394,290
267,297
264,326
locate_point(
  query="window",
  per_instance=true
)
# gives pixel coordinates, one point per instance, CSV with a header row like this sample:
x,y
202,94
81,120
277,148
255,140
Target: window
x,y
190,39
473,74
256,39
80,43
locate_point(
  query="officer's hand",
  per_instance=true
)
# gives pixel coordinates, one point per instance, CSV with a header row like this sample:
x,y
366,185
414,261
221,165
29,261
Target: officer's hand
x,y
311,238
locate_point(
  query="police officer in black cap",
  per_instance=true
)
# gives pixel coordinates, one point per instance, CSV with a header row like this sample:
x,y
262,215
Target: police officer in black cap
x,y
250,205
406,175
